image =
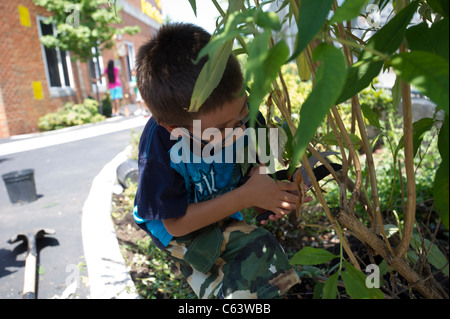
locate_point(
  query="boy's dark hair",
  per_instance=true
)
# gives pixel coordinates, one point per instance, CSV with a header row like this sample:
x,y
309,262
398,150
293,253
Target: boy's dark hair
x,y
166,74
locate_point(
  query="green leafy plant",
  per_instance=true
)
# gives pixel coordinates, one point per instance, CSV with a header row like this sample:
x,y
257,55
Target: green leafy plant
x,y
353,279
93,28
83,27
70,115
155,277
162,282
106,104
340,66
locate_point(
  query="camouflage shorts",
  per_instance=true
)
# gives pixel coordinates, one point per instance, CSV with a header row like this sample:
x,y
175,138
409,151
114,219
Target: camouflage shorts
x,y
232,259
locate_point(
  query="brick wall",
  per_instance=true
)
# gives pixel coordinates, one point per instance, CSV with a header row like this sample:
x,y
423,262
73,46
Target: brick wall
x,y
22,64
22,67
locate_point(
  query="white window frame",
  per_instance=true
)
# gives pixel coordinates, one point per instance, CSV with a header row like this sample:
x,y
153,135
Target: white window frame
x,y
101,85
63,90
131,57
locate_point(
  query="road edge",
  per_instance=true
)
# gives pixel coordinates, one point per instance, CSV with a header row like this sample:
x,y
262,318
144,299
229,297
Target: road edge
x,y
108,275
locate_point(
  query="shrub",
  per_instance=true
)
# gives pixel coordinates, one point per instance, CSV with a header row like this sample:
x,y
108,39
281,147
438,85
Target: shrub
x,y
70,115
106,105
341,65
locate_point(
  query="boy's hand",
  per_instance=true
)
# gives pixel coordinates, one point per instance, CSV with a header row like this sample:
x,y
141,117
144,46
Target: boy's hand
x,y
279,197
268,215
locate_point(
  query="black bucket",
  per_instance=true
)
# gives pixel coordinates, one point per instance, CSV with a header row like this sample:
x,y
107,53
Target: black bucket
x,y
128,171
20,186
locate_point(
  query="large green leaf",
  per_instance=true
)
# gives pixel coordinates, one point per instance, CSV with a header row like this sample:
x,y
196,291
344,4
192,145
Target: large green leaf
x,y
349,10
312,256
435,256
235,5
419,129
230,31
434,39
441,194
318,289
330,79
355,284
194,6
330,288
268,20
330,139
370,115
440,6
386,41
428,72
263,66
210,76
312,16
441,185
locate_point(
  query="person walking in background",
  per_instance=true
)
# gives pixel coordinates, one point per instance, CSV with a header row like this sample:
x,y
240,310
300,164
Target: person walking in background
x,y
140,102
114,86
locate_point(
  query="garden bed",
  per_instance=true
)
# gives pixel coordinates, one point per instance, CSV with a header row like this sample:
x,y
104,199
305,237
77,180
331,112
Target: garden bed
x,y
156,277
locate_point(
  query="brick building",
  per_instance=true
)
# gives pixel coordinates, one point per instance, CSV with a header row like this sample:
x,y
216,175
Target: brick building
x,y
35,80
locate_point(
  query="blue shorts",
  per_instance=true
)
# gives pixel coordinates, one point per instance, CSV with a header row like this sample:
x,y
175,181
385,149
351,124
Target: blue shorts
x,y
116,93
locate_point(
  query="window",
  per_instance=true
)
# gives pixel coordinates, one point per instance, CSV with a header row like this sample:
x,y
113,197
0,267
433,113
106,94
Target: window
x,y
57,64
130,58
96,71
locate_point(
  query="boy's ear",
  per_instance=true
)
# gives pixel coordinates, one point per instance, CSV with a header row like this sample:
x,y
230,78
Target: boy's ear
x,y
169,128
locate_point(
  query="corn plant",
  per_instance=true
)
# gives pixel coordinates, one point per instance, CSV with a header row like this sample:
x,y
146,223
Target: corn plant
x,y
341,64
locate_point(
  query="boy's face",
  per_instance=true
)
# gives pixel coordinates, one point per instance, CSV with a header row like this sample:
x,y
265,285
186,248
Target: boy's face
x,y
232,115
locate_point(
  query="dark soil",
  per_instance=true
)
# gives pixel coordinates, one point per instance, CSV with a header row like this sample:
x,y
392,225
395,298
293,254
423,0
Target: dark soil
x,y
128,233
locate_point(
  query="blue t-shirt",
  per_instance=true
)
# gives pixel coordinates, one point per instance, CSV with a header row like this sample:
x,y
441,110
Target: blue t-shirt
x,y
170,181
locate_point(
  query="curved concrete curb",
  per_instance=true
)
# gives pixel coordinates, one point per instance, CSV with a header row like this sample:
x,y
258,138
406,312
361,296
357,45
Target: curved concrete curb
x,y
108,275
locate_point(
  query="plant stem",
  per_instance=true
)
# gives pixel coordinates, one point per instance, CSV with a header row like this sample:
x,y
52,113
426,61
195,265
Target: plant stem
x,y
402,187
314,152
324,205
356,192
283,109
370,238
340,248
342,184
295,9
410,212
224,16
352,153
219,8
379,54
285,92
377,222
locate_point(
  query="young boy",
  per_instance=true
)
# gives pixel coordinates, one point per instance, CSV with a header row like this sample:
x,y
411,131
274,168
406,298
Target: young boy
x,y
191,207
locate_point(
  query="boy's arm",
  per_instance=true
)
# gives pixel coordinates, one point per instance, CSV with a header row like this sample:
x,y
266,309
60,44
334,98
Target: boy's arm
x,y
260,191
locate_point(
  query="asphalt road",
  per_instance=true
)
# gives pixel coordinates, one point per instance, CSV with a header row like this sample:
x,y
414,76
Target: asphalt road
x,y
63,175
